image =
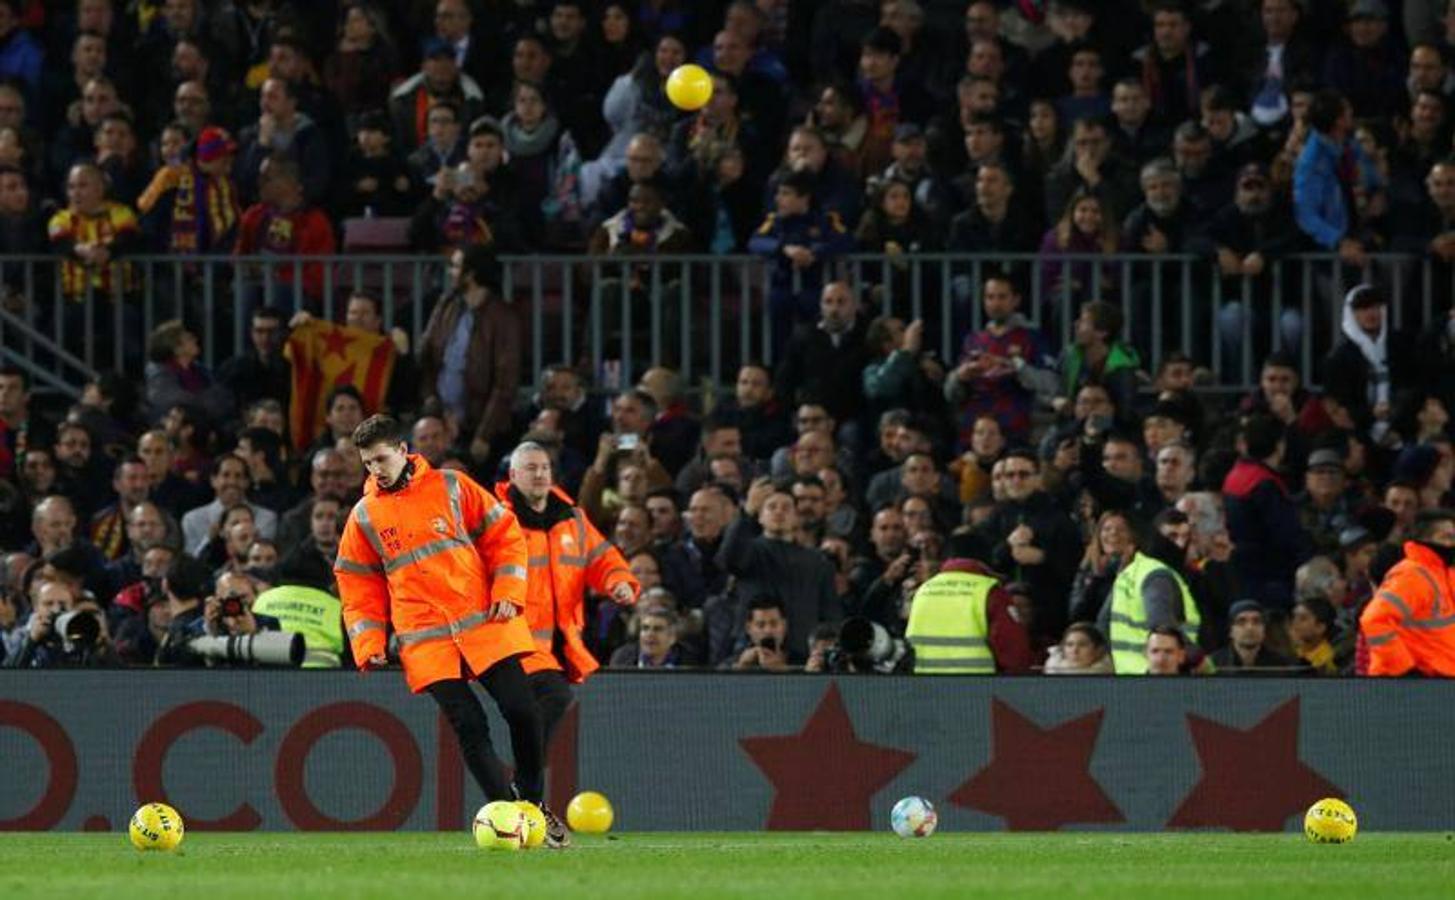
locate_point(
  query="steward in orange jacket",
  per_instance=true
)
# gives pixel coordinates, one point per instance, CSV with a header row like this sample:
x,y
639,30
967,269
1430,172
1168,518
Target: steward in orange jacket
x,y
433,554
568,557
1410,623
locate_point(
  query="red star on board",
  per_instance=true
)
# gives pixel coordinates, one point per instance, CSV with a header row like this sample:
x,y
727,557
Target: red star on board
x,y
1038,778
1251,780
824,777
335,341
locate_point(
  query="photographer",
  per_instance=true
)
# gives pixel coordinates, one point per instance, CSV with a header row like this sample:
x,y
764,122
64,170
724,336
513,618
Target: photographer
x,y
863,647
62,632
229,612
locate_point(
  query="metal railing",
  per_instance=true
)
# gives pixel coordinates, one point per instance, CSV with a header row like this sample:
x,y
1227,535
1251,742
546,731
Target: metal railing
x,y
704,314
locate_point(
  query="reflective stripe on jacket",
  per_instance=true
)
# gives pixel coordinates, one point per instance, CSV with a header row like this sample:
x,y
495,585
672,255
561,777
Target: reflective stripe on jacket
x,y
1129,621
565,561
430,559
949,627
1410,622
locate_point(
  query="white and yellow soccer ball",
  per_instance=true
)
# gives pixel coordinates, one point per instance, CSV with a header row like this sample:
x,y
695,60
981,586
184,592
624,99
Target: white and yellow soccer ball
x,y
1330,821
913,817
156,826
500,825
535,824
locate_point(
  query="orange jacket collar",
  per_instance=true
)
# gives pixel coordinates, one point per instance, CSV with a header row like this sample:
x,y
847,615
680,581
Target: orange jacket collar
x,y
421,468
502,493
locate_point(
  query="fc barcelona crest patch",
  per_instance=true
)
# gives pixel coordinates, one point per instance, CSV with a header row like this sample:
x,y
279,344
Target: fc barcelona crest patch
x,y
439,524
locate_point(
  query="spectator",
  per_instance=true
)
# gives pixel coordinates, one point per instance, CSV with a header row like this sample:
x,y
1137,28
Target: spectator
x,y
690,566
1088,97
544,158
657,645
1263,520
1002,367
1174,66
475,203
1312,628
107,528
93,235
286,223
797,240
722,437
359,71
1165,651
1367,65
260,371
192,206
376,181
442,147
826,361
439,79
834,190
1369,366
759,549
1135,135
1083,650
993,223
283,130
1163,222
1091,167
761,417
1176,469
175,376
1330,168
1084,229
230,483
1097,356
1246,652
227,550
20,54
900,373
1325,507
470,354
1284,57
766,631
1035,543
636,104
310,562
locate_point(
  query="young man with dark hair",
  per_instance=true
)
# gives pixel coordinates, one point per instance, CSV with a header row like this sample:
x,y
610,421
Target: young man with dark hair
x,y
433,554
1269,543
1096,354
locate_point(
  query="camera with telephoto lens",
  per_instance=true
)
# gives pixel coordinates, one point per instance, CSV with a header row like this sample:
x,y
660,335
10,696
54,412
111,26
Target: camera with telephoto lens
x,y
77,629
867,648
265,648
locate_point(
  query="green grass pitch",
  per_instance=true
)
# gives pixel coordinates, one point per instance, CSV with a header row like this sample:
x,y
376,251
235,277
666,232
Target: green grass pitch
x,y
762,866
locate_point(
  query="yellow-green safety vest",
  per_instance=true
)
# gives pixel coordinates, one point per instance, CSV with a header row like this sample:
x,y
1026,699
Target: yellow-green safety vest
x,y
1129,625
316,615
948,625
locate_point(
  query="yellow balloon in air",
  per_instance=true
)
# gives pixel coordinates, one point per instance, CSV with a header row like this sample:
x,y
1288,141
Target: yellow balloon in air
x,y
689,87
1330,821
589,813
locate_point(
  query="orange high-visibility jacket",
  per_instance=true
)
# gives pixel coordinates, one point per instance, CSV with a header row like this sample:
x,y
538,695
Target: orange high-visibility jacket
x,y
430,558
565,559
1410,623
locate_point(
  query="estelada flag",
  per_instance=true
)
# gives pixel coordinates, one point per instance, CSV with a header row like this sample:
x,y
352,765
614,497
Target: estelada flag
x,y
326,356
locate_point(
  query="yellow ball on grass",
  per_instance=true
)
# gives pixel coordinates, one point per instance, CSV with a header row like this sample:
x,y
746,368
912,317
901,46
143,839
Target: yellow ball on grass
x,y
590,813
1330,821
156,826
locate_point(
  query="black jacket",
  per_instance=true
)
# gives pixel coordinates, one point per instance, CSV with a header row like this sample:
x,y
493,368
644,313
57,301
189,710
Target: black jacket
x,y
817,369
1050,581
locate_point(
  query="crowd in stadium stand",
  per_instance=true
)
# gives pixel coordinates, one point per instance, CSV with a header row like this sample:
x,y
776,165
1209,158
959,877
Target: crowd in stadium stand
x,y
786,520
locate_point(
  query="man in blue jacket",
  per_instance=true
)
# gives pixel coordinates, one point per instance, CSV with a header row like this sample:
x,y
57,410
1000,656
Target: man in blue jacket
x,y
1329,171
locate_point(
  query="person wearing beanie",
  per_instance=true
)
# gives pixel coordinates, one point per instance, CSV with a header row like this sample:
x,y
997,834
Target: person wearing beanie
x,y
1247,652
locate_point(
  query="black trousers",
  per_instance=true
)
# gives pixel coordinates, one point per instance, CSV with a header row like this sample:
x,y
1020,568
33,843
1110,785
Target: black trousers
x,y
553,696
507,685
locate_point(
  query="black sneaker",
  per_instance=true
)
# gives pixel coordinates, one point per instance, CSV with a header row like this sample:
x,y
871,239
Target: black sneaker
x,y
557,837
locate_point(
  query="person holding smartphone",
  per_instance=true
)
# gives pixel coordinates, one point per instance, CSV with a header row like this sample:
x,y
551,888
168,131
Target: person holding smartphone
x,y
767,631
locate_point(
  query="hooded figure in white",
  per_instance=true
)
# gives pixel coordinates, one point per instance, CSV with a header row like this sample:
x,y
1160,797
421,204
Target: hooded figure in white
x,y
1366,370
